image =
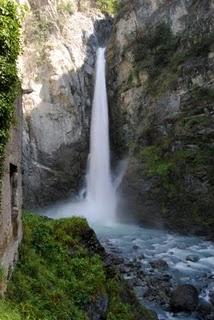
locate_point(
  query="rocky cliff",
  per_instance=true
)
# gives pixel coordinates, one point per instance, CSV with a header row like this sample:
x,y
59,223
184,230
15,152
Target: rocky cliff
x,y
161,63
60,39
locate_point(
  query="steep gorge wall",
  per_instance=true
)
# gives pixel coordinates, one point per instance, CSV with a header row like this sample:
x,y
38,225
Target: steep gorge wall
x,y
60,42
161,63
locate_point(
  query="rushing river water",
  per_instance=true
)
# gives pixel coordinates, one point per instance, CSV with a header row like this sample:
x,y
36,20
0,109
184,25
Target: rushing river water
x,y
141,245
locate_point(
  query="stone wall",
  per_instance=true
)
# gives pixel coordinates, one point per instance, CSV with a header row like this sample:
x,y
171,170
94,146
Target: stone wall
x,y
11,199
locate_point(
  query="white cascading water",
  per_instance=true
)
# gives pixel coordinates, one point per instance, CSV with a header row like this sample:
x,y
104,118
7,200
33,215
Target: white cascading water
x,y
101,194
100,202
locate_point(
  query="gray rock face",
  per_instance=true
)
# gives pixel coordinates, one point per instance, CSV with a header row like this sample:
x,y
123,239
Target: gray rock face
x,y
60,42
184,298
162,107
11,201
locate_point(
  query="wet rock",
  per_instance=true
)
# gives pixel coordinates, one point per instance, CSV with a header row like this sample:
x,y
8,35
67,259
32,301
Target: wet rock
x,y
210,317
192,258
211,297
159,264
140,274
116,260
133,282
139,291
184,298
154,314
135,247
204,309
166,277
98,309
141,257
158,291
125,269
130,263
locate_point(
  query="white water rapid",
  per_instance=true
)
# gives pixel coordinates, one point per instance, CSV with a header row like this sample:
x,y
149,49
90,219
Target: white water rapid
x,y
100,202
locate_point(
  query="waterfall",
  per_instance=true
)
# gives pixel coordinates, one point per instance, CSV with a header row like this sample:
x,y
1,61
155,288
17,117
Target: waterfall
x,y
100,202
101,195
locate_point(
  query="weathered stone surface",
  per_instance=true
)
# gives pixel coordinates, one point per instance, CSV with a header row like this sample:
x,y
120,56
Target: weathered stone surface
x,y
184,298
160,79
11,200
57,65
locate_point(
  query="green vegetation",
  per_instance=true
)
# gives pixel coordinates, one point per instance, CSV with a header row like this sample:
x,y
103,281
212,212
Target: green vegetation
x,y
156,162
154,52
2,273
65,7
159,161
109,6
119,310
172,168
61,274
8,311
9,82
162,55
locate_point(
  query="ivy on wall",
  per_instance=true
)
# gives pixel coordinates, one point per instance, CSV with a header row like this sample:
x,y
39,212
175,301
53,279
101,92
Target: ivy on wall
x,y
9,82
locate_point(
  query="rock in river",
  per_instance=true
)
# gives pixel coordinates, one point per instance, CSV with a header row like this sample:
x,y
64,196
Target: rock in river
x,y
184,298
159,264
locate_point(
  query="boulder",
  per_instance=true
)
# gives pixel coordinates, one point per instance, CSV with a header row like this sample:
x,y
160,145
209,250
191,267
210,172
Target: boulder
x,y
204,309
184,298
159,264
192,258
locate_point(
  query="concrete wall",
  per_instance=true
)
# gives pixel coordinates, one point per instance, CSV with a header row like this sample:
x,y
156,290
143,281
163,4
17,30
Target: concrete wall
x,y
11,198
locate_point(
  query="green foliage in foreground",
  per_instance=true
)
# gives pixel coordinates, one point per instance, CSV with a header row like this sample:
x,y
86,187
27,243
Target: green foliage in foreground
x,y
109,6
9,83
59,277
8,311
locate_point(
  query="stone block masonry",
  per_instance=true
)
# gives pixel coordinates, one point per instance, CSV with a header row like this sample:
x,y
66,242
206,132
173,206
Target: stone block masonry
x,y
11,199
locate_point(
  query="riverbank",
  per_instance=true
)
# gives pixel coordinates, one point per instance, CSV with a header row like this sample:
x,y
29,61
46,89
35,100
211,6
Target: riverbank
x,y
170,273
63,273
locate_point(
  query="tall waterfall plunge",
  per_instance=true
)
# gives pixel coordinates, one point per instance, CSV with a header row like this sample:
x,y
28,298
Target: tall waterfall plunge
x,y
100,202
101,194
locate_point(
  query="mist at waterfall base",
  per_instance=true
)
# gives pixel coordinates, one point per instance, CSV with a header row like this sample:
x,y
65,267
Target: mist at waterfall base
x,y
98,202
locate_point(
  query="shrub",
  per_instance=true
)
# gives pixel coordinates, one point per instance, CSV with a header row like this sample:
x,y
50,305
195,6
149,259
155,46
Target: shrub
x,y
65,7
109,6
